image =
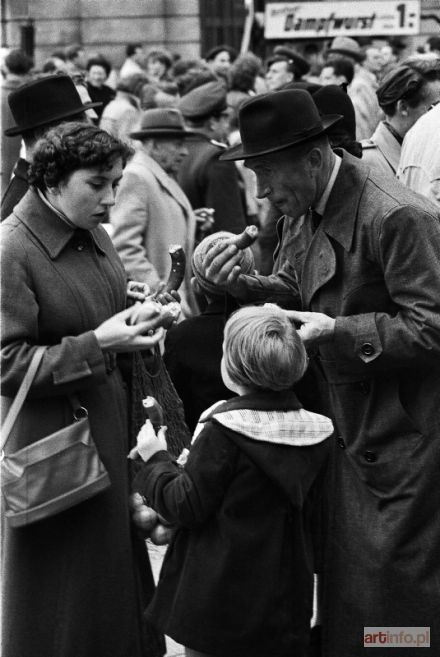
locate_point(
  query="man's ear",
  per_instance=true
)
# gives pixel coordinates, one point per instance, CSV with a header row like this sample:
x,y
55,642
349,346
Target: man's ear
x,y
315,159
402,107
212,123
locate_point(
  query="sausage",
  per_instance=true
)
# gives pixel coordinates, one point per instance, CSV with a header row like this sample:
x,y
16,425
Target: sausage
x,y
246,238
177,273
154,412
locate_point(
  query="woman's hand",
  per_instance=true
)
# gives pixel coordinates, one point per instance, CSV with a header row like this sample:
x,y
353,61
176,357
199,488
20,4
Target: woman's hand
x,y
148,443
117,334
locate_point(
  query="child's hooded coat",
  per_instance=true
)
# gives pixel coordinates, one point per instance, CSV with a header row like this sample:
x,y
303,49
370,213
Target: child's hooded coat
x,y
237,579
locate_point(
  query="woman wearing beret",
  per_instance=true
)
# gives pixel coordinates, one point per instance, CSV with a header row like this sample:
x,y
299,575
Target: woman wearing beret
x,y
75,583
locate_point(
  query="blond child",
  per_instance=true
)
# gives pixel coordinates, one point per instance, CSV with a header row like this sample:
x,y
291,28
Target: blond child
x,y
237,579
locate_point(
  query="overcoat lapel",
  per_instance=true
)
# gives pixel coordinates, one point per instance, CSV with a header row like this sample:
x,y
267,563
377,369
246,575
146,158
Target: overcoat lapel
x,y
174,190
319,266
388,146
338,223
165,180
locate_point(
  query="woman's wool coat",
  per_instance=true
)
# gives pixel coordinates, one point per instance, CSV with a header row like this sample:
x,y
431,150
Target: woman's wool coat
x,y
74,584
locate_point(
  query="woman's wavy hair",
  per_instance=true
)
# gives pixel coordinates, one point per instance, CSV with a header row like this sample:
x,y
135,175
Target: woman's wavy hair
x,y
72,146
262,350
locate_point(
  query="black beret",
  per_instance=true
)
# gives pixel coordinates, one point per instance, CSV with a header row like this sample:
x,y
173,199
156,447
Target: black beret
x,y
397,83
204,101
212,54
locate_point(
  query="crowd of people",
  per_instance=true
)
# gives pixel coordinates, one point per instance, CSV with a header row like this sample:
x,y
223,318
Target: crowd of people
x,y
307,363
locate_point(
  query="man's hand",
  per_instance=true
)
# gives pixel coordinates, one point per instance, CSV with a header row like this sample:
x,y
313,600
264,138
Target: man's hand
x,y
148,443
315,328
164,298
205,221
222,267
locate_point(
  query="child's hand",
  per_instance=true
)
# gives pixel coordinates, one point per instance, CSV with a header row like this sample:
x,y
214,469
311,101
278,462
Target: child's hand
x,y
148,443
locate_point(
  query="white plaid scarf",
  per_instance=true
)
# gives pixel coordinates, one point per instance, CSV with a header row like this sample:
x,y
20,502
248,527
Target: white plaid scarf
x,y
295,427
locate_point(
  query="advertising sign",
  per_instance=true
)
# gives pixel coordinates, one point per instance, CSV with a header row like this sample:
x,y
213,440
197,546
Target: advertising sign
x,y
295,20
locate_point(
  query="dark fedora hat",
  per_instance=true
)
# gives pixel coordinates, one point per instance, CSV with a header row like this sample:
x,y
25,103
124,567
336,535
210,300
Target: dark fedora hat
x,y
161,122
332,99
276,120
44,100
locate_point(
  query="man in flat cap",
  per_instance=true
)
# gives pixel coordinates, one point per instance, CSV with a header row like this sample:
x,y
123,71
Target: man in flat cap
x,y
36,107
405,94
284,66
207,181
151,211
363,280
219,60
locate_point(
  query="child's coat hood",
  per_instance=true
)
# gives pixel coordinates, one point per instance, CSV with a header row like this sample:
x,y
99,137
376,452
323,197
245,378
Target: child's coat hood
x,y
280,436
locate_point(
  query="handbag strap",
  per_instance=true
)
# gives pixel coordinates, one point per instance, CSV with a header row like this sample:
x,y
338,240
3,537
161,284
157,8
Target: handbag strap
x,y
21,395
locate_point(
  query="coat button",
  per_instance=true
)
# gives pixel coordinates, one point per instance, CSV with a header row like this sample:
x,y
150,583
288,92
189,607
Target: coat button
x,y
80,247
340,442
370,457
367,349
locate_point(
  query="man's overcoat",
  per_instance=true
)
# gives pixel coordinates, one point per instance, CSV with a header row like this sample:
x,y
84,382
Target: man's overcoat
x,y
151,214
374,264
210,182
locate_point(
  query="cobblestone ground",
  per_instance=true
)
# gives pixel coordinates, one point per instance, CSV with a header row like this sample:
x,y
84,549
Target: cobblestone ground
x,y
156,553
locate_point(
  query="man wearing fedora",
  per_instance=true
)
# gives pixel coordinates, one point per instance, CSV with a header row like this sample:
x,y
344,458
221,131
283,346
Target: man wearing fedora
x,y
362,89
362,278
17,66
151,211
36,106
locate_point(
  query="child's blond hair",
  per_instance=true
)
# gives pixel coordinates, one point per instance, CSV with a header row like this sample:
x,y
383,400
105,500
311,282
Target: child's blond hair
x,y
262,350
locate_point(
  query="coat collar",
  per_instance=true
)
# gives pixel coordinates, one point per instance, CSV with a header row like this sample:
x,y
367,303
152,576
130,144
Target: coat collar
x,y
53,233
349,184
319,265
143,159
264,401
388,145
